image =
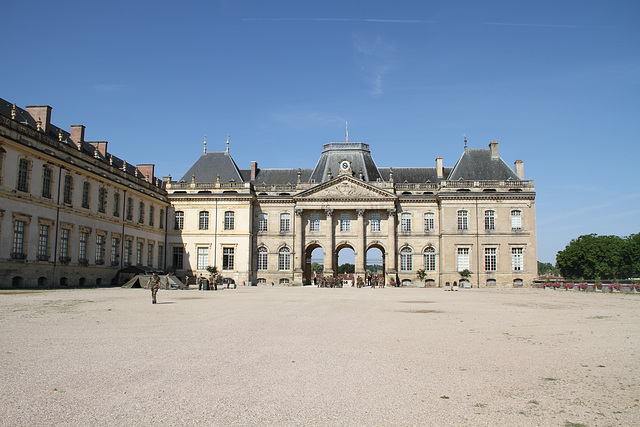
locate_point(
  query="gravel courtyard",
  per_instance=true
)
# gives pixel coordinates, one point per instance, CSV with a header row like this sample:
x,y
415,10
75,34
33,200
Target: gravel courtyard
x,y
309,356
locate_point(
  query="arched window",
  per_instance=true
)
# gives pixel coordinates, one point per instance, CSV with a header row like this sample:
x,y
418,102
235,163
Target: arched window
x,y
86,192
406,259
405,222
179,220
263,258
430,259
203,223
229,220
516,220
489,220
284,259
429,221
463,223
47,181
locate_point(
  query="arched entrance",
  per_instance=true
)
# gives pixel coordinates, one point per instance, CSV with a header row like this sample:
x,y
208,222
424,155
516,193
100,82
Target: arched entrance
x,y
375,262
345,263
313,262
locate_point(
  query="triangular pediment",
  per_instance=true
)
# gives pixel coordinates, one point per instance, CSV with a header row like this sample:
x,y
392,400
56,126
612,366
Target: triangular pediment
x,y
345,188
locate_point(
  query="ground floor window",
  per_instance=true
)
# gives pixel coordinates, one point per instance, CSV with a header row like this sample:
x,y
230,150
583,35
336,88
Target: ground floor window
x,y
203,258
228,255
463,259
178,257
490,259
284,259
284,281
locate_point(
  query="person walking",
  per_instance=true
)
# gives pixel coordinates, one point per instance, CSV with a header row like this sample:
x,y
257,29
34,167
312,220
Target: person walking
x,y
154,281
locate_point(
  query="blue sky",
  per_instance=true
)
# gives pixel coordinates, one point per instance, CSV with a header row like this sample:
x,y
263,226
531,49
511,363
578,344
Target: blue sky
x,y
556,83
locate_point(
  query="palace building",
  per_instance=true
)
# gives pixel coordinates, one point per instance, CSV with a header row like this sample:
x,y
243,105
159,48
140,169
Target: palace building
x,y
74,214
261,225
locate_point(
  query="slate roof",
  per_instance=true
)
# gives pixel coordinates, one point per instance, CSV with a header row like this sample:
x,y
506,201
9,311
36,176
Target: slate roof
x,y
356,153
477,164
413,175
280,176
209,165
23,117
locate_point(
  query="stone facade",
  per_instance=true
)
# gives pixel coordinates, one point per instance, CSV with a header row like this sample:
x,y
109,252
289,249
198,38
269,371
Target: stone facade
x,y
72,214
478,215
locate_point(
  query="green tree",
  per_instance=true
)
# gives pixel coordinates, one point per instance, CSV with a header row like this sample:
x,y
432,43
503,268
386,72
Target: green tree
x,y
374,268
547,267
317,268
591,256
632,255
346,268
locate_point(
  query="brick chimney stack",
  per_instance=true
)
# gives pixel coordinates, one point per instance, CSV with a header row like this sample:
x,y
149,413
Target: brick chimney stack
x,y
254,170
77,133
439,168
41,113
101,146
493,148
519,168
147,171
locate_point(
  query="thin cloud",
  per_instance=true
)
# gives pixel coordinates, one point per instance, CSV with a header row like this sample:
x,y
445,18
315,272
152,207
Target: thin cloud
x,y
377,20
519,24
373,55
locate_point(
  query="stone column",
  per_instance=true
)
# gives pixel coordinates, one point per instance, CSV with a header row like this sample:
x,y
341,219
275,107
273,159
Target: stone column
x,y
329,242
298,257
391,245
361,245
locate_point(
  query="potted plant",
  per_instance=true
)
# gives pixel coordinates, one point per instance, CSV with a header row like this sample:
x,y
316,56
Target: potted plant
x,y
635,288
582,286
464,275
615,287
422,274
568,286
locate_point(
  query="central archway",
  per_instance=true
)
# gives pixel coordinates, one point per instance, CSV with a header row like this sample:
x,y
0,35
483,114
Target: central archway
x,y
313,257
375,262
344,262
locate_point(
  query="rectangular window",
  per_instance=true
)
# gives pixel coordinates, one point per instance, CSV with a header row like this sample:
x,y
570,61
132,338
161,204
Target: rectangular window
x,y
463,259
516,259
102,200
229,220
203,258
100,240
178,257
179,220
516,220
46,182
128,249
82,249
64,245
115,251
160,256
161,220
116,204
204,221
129,208
67,190
462,220
141,213
314,222
263,220
23,175
345,222
86,188
405,222
489,220
227,258
375,222
18,240
490,259
43,243
285,222
150,255
139,250
429,221
152,212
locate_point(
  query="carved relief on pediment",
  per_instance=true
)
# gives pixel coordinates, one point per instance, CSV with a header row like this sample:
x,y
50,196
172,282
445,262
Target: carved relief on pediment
x,y
346,190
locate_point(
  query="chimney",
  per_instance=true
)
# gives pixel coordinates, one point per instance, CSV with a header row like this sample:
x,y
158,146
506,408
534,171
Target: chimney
x,y
519,168
493,148
254,170
101,146
146,171
77,133
439,169
41,113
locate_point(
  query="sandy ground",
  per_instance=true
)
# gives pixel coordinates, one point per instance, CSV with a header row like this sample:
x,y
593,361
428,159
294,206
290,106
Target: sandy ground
x,y
314,357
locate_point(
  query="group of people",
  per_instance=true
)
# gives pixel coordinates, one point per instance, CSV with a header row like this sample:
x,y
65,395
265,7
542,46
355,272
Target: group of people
x,y
336,282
